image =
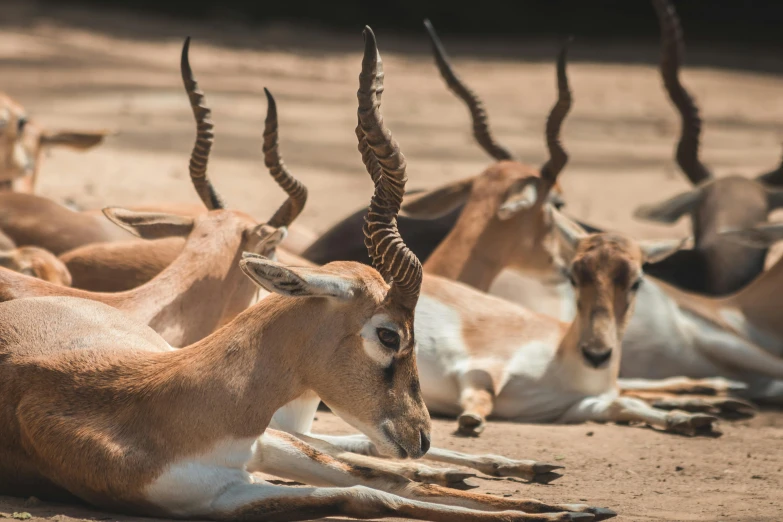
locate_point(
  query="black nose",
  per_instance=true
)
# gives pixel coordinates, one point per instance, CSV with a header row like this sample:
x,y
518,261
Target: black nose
x,y
596,358
425,442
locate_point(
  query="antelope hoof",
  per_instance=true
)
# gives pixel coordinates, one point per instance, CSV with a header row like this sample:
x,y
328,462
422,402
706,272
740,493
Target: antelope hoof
x,y
692,424
450,478
598,513
570,517
470,425
726,407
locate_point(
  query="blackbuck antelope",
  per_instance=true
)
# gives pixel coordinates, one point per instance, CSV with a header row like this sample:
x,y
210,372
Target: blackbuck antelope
x,y
429,217
203,288
474,349
715,266
182,309
22,142
62,381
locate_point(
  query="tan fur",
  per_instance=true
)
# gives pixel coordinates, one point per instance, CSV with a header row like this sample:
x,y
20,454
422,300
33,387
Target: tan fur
x,y
201,290
37,221
112,374
120,265
36,262
481,244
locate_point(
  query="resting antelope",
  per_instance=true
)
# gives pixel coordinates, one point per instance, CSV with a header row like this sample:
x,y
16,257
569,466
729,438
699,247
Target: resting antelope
x,y
22,142
207,407
467,341
715,266
183,309
203,288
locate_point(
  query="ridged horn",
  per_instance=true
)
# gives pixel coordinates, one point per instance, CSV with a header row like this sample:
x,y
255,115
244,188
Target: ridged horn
x,y
383,159
204,135
478,114
672,54
297,192
557,154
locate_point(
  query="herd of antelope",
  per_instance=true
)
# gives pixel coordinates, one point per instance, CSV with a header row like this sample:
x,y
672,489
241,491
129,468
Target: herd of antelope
x,y
153,359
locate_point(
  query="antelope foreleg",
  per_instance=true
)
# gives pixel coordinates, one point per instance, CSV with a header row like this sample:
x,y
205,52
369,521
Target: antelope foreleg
x,y
492,465
287,456
630,409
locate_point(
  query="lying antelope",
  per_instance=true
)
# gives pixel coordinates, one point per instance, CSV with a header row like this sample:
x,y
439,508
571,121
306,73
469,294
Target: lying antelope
x,y
203,288
182,309
479,355
206,406
22,142
715,266
429,217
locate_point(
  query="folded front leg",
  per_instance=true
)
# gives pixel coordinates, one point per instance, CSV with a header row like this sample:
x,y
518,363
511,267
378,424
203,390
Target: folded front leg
x,y
492,465
285,455
629,409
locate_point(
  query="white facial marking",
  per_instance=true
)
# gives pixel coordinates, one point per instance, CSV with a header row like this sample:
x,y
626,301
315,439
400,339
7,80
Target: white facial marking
x,y
370,342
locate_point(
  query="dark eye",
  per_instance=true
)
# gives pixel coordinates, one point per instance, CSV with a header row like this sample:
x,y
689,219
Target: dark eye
x,y
20,124
389,338
636,284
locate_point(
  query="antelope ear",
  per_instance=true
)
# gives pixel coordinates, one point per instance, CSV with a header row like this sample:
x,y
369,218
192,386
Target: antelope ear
x,y
760,236
671,210
296,281
570,232
74,139
150,225
655,250
439,202
521,196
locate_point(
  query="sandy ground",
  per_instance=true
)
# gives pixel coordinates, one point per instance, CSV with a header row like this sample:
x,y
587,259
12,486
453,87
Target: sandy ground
x,y
77,69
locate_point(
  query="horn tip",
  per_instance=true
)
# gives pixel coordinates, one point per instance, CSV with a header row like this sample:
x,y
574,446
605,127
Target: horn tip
x,y
269,98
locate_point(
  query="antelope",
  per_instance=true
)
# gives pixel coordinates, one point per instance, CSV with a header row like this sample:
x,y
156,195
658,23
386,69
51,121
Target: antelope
x,y
203,288
182,309
479,355
715,266
22,141
206,407
429,217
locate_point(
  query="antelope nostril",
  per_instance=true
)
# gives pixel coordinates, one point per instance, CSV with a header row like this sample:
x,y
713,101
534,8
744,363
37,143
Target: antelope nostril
x,y
425,441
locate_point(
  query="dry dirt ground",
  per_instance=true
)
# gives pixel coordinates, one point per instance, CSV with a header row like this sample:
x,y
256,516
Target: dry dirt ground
x,y
84,70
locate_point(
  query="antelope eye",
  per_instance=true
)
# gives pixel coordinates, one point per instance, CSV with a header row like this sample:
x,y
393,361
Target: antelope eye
x,y
389,338
636,284
20,124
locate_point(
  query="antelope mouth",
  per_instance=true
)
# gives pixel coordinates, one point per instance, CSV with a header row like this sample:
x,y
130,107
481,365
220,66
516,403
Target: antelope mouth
x,y
597,358
402,453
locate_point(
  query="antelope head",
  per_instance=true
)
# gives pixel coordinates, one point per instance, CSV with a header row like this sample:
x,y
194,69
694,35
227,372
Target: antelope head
x,y
365,366
605,271
504,222
22,141
234,231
